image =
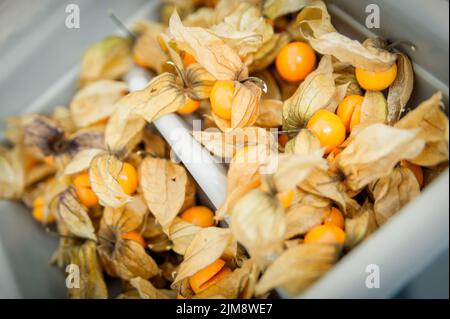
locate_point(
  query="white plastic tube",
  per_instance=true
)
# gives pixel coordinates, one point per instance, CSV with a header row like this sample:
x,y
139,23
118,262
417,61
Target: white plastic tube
x,y
208,174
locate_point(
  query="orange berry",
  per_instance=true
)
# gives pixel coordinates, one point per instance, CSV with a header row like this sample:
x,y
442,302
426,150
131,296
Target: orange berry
x,y
283,138
328,128
188,59
128,179
347,107
102,121
286,198
208,276
199,215
416,169
326,234
83,190
376,81
134,236
295,61
49,160
189,107
39,213
30,163
221,98
335,218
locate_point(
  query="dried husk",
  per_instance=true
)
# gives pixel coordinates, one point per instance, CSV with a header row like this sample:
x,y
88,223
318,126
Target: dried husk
x,y
267,53
108,59
12,173
208,245
163,95
316,28
238,284
315,92
225,144
245,30
75,216
292,169
147,50
401,89
258,222
104,171
96,101
432,123
270,114
181,233
327,184
300,218
210,51
61,115
121,257
243,176
164,186
42,135
360,226
245,106
146,290
155,145
124,129
305,143
298,267
374,152
198,81
373,108
277,8
91,284
82,161
392,192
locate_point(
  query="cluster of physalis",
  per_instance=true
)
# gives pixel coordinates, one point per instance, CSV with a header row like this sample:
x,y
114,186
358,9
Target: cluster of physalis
x,y
351,152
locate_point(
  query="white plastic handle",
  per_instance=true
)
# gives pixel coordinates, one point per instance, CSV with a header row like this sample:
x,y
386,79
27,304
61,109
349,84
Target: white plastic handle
x,y
209,175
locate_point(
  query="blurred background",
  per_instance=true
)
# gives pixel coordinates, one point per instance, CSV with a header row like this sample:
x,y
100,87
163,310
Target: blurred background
x,y
37,50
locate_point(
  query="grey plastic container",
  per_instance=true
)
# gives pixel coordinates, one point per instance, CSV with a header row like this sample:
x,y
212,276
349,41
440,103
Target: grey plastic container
x,y
38,69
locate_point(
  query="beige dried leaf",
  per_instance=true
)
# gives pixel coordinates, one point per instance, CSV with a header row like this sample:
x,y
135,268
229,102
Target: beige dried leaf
x,y
163,95
147,291
209,50
225,144
124,129
305,143
277,8
75,216
401,89
208,245
314,93
374,152
433,126
95,102
300,218
164,186
267,53
108,59
181,233
91,283
359,226
392,192
41,135
329,185
270,114
124,258
245,105
82,161
147,51
245,30
104,171
298,267
61,115
238,284
198,81
315,26
373,108
258,223
292,169
12,173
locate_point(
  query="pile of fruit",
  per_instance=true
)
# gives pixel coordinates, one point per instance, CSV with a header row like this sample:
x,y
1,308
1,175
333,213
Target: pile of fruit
x,y
322,145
